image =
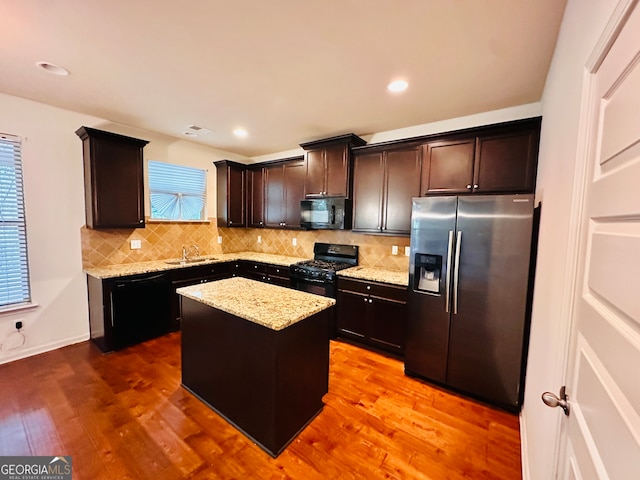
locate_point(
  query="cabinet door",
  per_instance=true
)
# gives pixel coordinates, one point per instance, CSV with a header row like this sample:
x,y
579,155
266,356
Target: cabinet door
x,y
447,166
274,197
255,203
403,183
368,176
506,163
387,324
314,181
293,193
117,184
236,195
351,315
336,164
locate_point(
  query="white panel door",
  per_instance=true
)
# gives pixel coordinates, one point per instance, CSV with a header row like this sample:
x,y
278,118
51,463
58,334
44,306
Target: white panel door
x,y
601,436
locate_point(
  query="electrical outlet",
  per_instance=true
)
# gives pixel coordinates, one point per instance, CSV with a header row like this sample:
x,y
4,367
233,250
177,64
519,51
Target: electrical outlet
x,y
219,239
394,250
259,239
136,244
407,251
294,242
18,325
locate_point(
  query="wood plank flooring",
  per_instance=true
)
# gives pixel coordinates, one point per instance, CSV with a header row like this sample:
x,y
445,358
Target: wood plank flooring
x,y
125,416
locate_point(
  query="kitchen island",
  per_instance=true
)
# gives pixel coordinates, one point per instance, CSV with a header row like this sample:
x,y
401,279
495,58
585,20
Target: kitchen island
x,y
257,354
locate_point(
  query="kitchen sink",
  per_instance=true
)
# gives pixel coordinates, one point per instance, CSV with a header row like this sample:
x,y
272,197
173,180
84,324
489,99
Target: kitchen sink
x,y
187,261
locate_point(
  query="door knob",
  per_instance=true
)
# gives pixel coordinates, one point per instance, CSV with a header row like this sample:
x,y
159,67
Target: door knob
x,y
551,400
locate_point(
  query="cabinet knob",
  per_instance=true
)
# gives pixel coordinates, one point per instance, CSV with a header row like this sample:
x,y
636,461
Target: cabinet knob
x,y
255,266
261,223
475,185
370,300
469,187
141,221
365,300
230,222
368,287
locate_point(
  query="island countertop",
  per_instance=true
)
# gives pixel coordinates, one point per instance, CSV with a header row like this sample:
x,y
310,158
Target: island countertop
x,y
268,305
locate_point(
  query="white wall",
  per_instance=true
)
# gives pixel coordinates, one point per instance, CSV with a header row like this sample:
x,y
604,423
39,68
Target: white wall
x,y
581,27
54,203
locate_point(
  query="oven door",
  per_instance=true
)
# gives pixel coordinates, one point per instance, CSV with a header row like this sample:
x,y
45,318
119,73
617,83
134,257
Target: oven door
x,y
317,287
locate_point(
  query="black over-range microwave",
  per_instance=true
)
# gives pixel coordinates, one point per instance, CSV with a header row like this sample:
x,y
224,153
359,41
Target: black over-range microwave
x,y
333,213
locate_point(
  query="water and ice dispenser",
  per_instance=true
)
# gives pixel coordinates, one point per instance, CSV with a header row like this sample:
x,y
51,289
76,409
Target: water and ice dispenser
x,y
428,269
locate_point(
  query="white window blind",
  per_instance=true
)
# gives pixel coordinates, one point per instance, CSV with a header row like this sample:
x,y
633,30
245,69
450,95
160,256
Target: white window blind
x,y
177,192
14,268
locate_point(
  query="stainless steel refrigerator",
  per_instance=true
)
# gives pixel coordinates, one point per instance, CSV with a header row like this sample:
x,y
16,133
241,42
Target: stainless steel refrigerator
x,y
469,294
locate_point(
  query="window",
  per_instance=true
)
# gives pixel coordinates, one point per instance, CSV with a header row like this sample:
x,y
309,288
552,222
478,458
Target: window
x,y
14,268
177,192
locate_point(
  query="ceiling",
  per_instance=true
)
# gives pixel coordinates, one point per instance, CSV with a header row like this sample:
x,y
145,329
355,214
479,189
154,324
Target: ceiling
x,y
288,71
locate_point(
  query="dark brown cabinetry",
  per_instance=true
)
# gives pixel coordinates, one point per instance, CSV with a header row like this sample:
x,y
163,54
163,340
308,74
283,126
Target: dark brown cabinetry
x,y
275,274
255,196
190,276
328,166
495,160
447,166
384,183
113,179
372,314
231,193
284,189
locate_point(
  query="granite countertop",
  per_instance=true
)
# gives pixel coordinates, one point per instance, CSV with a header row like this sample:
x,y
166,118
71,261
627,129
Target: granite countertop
x,y
268,305
126,269
375,274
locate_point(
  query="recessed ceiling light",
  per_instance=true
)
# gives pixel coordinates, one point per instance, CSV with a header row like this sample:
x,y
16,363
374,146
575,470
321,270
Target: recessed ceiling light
x,y
240,132
397,86
53,68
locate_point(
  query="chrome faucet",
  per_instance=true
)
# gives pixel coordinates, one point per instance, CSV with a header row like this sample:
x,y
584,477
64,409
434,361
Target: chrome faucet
x,y
186,252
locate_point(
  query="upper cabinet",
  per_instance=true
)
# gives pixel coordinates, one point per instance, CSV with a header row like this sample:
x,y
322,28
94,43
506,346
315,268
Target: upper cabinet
x,y
231,193
494,160
447,166
284,189
328,166
113,179
385,181
255,196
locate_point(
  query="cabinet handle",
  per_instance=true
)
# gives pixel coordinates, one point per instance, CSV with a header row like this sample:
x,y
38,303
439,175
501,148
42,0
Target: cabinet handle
x,y
469,187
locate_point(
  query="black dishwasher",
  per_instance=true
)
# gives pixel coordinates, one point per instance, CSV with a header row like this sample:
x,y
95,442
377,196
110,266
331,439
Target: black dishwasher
x,y
140,308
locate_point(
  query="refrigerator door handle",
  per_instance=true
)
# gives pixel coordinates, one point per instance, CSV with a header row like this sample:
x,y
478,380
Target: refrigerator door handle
x,y
447,281
456,273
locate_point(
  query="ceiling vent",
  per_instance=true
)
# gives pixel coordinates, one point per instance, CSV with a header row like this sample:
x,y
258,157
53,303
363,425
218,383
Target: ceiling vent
x,y
198,130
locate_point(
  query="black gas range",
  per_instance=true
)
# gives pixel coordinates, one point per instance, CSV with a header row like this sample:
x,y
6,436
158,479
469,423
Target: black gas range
x,y
319,275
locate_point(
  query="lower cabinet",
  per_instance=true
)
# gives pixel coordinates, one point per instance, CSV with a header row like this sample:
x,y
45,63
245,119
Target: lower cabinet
x,y
264,272
189,276
372,314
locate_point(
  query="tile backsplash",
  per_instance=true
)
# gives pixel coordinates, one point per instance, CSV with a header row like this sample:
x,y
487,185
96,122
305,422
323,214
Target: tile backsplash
x,y
165,240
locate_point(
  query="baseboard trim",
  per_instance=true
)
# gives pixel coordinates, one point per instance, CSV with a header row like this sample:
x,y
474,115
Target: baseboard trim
x,y
12,356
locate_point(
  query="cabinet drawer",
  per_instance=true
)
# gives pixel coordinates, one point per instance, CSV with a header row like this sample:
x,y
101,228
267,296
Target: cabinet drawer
x,y
277,271
202,271
382,290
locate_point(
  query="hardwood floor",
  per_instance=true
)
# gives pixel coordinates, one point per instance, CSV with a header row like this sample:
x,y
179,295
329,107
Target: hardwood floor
x,y
125,416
